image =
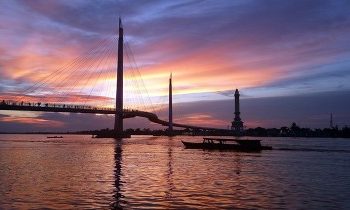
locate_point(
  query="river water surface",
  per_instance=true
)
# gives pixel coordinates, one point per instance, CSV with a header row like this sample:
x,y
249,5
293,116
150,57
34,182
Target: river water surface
x,y
79,172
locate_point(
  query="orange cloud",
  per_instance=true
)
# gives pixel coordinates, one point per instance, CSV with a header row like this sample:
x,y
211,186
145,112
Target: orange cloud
x,y
205,71
72,98
204,120
30,120
201,71
45,61
59,75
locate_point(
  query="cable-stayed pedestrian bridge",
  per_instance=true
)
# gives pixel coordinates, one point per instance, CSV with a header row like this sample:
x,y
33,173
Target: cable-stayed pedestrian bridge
x,y
66,108
89,71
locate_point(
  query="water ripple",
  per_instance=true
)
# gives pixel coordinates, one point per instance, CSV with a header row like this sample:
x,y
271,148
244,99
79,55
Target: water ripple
x,y
78,172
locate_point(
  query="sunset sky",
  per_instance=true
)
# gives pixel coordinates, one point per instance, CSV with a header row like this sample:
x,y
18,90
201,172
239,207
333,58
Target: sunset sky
x,y
289,59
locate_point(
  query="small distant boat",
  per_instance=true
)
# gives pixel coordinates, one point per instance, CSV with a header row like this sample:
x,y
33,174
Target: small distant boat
x,y
225,144
54,137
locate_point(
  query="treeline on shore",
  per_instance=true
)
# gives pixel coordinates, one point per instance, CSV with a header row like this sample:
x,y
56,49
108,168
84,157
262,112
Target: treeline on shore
x,y
293,131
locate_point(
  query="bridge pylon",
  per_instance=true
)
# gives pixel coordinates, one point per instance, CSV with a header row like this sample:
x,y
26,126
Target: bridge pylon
x,y
118,124
170,128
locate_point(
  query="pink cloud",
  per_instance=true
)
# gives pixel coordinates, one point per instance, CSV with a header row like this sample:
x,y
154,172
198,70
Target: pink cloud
x,y
37,121
205,120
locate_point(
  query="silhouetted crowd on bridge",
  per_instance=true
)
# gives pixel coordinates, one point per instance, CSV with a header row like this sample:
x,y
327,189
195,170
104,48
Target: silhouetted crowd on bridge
x,y
53,105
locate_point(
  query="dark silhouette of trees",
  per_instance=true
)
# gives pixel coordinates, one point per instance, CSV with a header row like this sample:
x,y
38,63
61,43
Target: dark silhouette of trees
x,y
293,131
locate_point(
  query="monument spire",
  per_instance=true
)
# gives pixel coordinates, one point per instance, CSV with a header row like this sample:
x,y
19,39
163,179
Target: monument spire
x,y
237,124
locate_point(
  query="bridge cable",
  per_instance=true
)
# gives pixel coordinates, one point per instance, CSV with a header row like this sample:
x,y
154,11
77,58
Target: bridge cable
x,y
106,57
85,76
87,72
139,75
54,74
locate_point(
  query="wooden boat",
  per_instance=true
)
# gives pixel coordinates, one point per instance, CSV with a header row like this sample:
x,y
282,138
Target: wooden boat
x,y
54,137
226,144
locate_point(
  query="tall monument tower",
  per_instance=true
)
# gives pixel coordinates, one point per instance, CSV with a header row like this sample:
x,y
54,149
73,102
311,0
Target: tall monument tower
x,y
118,124
237,124
170,129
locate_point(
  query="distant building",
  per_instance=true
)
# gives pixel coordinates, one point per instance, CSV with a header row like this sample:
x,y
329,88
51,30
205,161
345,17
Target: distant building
x,y
331,122
237,124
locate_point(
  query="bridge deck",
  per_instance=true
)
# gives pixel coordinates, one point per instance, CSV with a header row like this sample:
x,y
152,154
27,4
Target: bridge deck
x,y
127,113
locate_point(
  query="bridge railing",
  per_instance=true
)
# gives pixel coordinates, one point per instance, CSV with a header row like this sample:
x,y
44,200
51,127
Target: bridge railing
x,y
63,106
52,105
29,106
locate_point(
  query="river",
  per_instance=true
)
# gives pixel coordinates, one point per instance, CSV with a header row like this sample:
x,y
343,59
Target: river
x,y
146,172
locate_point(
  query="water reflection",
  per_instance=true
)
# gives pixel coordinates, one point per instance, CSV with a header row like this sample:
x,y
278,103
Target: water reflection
x,y
237,163
158,173
169,174
117,174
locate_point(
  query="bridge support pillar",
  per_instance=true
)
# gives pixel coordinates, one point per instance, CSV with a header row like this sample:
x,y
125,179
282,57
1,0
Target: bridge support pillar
x,y
170,128
118,124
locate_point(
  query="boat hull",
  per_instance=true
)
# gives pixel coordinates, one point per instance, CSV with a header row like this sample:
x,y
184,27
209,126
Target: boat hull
x,y
218,146
54,137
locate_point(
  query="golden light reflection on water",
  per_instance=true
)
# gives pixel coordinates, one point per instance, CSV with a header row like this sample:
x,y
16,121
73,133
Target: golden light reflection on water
x,y
56,174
